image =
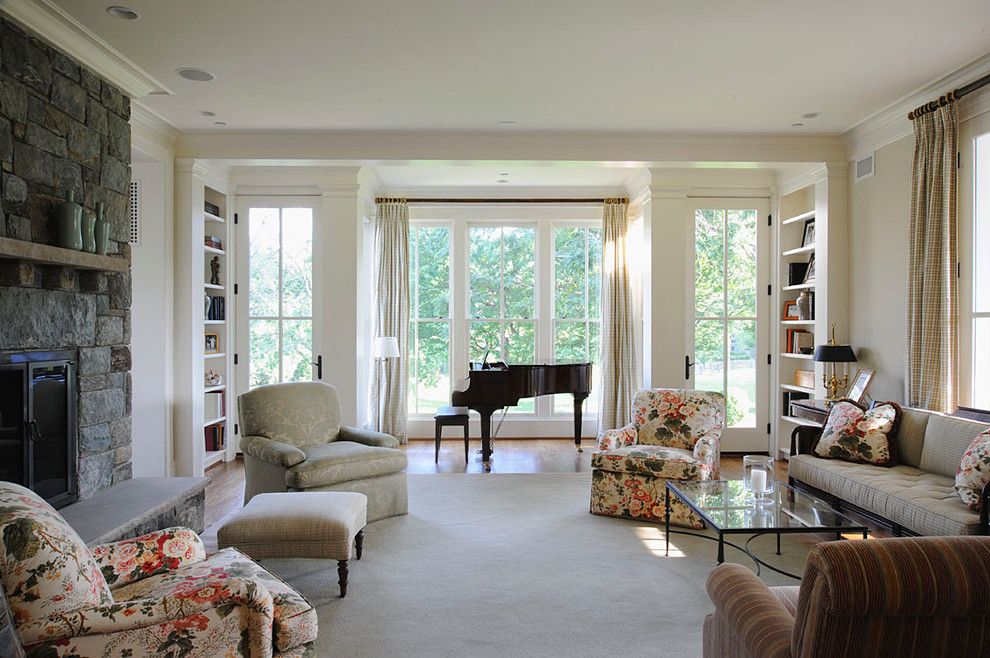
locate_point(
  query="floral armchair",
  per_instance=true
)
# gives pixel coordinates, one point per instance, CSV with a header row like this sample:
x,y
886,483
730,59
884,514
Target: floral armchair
x,y
674,435
155,594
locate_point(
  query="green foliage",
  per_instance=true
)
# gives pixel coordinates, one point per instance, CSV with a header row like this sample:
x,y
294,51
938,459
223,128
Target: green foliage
x,y
733,412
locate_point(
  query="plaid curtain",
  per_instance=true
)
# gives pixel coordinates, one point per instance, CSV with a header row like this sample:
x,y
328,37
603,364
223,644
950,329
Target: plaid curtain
x,y
391,263
617,360
933,295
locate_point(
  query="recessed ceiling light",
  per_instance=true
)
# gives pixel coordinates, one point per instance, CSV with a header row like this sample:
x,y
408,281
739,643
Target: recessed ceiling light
x,y
219,123
196,75
502,180
504,174
811,115
207,113
506,123
797,125
125,13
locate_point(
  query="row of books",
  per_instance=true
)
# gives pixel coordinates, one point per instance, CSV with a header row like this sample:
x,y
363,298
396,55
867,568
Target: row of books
x,y
214,437
213,241
217,310
211,208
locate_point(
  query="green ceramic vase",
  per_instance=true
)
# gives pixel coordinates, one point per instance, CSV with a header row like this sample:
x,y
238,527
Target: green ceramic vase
x,y
68,223
102,231
89,231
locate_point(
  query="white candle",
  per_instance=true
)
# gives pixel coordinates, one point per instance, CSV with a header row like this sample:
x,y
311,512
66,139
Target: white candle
x,y
759,480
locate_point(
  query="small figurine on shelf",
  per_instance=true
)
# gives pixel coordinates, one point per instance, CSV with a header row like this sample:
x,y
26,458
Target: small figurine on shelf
x,y
212,378
215,271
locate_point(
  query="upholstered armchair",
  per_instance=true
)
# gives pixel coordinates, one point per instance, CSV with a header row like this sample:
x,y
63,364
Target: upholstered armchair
x,y
919,597
674,435
293,440
157,594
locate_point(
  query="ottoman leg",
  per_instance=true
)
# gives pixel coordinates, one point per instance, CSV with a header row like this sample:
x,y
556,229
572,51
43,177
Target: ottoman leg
x,y
359,542
342,577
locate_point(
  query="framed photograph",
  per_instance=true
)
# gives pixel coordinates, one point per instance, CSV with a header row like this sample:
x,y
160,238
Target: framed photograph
x,y
809,233
790,310
212,345
857,390
809,276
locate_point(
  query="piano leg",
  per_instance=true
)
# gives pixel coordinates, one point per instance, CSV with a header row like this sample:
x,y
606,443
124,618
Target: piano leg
x,y
578,407
486,436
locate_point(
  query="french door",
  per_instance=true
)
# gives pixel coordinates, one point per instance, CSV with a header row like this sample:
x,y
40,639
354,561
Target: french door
x,y
728,332
279,286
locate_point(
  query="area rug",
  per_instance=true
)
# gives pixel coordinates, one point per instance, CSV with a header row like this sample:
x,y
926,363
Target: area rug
x,y
514,565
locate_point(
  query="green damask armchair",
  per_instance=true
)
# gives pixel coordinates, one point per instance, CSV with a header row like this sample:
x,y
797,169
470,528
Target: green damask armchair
x,y
293,440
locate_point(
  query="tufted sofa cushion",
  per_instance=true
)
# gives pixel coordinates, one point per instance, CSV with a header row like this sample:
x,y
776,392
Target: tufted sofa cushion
x,y
926,503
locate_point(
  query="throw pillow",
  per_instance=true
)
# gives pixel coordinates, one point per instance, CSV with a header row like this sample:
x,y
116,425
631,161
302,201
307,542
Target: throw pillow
x,y
974,471
853,433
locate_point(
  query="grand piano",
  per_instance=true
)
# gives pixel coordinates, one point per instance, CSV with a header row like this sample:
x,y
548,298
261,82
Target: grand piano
x,y
492,386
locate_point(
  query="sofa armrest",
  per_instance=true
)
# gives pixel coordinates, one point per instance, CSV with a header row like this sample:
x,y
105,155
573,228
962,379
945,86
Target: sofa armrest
x,y
706,448
757,619
157,552
804,438
367,437
618,438
188,599
274,452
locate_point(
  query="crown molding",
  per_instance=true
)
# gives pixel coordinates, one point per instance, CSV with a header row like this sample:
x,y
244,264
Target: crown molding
x,y
891,123
503,192
53,24
149,128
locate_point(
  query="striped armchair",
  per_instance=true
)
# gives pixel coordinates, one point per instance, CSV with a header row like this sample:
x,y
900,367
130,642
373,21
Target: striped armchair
x,y
674,435
920,597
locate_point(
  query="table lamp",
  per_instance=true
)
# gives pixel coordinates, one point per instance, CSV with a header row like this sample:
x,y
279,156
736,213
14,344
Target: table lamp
x,y
832,354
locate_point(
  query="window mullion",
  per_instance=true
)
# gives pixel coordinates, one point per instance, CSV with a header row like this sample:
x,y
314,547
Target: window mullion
x,y
281,310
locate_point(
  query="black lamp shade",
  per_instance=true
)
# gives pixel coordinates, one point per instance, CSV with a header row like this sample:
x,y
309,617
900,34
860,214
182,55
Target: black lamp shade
x,y
835,354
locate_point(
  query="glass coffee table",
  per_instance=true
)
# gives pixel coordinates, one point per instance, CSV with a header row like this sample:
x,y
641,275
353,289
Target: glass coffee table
x,y
729,508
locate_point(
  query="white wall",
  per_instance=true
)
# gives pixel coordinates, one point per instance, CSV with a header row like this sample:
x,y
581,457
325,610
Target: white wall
x,y
151,321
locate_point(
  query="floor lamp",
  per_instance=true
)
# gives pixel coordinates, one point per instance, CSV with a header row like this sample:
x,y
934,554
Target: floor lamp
x,y
385,347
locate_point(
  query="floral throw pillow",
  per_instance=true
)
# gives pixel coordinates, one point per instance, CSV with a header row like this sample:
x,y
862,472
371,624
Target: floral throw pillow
x,y
974,471
855,434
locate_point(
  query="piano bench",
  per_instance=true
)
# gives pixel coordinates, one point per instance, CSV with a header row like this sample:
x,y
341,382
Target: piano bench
x,y
446,416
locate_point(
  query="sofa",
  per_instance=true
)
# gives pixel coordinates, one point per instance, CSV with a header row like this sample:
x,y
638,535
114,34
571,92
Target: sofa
x,y
915,496
157,594
918,597
674,435
293,440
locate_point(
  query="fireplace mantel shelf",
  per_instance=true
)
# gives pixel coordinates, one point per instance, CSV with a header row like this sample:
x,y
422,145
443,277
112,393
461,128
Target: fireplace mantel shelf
x,y
34,252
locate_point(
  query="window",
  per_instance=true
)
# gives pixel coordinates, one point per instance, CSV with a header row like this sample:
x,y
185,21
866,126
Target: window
x,y
577,261
981,273
280,300
502,296
429,326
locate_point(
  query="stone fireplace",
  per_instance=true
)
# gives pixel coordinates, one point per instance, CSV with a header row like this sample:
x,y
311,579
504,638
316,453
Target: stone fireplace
x,y
64,129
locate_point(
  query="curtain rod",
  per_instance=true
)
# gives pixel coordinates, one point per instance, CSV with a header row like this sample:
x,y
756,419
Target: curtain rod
x,y
599,200
953,95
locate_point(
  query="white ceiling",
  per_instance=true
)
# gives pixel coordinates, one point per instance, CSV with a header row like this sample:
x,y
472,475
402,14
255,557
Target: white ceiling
x,y
486,175
640,65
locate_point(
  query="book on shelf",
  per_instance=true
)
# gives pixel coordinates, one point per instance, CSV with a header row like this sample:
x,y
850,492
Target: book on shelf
x,y
217,310
211,208
800,341
214,437
213,241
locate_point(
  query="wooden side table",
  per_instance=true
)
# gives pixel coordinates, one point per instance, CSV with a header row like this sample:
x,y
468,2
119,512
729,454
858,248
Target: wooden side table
x,y
451,416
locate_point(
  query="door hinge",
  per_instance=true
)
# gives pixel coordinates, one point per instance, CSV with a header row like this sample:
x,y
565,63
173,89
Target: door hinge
x,y
236,430
235,288
768,359
768,428
235,217
235,358
769,220
769,289
958,159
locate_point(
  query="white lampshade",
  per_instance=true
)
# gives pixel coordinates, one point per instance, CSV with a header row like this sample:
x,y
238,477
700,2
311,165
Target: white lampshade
x,y
386,347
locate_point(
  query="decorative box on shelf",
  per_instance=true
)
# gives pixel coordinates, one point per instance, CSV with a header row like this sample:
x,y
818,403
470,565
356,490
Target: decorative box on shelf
x,y
813,410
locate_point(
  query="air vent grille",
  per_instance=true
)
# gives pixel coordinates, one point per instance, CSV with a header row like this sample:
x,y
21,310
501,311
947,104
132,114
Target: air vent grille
x,y
864,167
134,209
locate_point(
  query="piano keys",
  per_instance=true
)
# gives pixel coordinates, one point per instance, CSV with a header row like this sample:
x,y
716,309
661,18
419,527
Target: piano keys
x,y
491,387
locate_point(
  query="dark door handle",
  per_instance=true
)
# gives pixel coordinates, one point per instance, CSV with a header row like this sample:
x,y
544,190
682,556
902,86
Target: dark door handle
x,y
319,366
687,367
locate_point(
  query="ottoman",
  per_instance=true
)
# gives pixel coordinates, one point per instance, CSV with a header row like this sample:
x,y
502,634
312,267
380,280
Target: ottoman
x,y
311,524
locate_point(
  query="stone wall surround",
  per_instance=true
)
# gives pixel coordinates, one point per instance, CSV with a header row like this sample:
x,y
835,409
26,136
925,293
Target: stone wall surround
x,y
63,128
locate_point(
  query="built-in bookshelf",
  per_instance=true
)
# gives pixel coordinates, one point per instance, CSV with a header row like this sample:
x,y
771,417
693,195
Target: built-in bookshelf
x,y
810,244
205,351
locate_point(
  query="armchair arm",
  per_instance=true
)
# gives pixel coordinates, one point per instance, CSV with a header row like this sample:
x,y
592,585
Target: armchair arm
x,y
222,594
619,438
757,619
271,451
129,560
367,437
804,438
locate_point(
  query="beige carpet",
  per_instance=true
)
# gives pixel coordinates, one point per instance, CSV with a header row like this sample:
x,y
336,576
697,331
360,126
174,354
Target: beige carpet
x,y
514,565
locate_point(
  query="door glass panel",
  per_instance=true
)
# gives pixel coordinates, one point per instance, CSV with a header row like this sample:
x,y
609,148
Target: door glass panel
x,y
280,295
725,309
981,359
981,227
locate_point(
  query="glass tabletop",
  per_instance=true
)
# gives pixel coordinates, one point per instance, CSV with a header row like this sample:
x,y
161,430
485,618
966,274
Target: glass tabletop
x,y
728,505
